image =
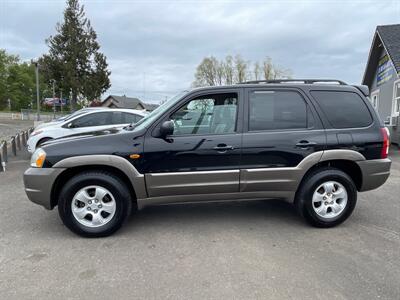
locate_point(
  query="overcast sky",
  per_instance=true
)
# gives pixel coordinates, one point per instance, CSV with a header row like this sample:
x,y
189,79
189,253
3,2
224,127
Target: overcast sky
x,y
156,45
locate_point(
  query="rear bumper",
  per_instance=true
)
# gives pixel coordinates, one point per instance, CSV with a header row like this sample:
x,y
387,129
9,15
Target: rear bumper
x,y
374,173
39,183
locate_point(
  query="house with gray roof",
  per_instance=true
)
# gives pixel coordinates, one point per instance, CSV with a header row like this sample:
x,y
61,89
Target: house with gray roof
x,y
114,101
382,76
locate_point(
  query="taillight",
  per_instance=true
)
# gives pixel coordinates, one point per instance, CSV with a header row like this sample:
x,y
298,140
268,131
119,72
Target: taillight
x,y
386,142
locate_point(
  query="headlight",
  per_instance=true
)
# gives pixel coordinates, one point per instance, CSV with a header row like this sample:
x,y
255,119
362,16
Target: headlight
x,y
36,132
38,158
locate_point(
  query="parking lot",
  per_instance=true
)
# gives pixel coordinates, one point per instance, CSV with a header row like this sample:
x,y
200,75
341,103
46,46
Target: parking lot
x,y
246,250
10,127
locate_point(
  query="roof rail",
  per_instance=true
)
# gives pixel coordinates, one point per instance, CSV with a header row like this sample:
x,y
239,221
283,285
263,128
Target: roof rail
x,y
305,81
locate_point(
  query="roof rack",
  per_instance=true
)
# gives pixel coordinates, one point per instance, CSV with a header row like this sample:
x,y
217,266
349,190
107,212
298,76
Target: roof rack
x,y
305,81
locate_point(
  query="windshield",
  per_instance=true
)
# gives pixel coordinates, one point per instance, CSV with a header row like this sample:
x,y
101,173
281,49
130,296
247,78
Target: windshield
x,y
62,118
77,113
148,119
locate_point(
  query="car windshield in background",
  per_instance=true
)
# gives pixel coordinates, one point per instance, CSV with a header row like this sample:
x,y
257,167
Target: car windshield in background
x,y
74,114
148,119
62,118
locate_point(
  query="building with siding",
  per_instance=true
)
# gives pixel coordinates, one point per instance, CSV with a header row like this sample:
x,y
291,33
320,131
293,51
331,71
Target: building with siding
x,y
382,76
113,101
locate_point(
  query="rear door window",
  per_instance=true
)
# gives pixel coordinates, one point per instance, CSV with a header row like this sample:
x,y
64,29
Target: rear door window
x,y
130,118
343,109
93,119
117,118
274,110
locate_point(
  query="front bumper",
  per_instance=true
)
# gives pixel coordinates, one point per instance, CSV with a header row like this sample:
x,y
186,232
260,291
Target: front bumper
x,y
374,172
39,183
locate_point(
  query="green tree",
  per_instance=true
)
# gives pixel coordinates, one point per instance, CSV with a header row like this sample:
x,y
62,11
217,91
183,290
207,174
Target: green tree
x,y
74,60
6,61
17,82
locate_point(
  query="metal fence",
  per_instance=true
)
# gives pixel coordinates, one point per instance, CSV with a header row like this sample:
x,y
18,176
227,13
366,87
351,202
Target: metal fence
x,y
31,115
11,147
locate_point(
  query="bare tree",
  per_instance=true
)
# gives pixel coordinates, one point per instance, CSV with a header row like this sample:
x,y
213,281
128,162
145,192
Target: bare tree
x,y
257,71
212,71
240,69
219,72
272,71
206,72
268,69
228,70
280,73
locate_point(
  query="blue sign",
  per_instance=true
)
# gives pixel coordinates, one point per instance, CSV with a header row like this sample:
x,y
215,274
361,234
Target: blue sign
x,y
385,70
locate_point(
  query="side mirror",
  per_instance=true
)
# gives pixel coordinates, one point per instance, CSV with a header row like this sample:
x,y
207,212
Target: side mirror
x,y
70,125
167,128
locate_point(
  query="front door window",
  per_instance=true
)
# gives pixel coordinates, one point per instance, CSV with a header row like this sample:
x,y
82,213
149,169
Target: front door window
x,y
210,114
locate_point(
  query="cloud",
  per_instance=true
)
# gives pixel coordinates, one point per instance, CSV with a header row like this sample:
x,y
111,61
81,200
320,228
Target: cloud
x,y
156,45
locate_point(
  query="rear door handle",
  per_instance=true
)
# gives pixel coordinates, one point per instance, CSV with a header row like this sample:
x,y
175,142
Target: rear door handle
x,y
305,144
223,148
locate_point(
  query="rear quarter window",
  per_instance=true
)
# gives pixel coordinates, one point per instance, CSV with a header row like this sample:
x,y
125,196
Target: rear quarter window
x,y
343,109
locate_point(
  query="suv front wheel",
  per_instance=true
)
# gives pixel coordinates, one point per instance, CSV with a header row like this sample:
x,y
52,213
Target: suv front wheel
x,y
94,204
327,197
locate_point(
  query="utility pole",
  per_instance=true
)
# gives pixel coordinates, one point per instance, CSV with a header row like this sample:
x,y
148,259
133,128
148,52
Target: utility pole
x,y
144,86
61,95
70,99
31,96
37,89
54,99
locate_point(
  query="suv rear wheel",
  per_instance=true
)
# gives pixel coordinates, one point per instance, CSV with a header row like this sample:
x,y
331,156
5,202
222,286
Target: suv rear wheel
x,y
327,197
94,204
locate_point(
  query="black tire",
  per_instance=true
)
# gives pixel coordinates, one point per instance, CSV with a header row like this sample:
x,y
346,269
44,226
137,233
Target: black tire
x,y
42,141
305,193
107,180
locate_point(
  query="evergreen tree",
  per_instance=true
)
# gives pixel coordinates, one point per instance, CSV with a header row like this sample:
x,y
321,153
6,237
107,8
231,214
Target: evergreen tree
x,y
74,60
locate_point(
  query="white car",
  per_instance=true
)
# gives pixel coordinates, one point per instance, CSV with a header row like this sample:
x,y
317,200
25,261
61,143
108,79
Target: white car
x,y
86,121
65,117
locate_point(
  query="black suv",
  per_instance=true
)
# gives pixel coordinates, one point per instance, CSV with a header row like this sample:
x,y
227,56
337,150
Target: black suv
x,y
314,143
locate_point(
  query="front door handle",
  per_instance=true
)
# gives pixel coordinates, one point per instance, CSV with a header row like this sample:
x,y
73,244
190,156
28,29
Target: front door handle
x,y
223,148
305,144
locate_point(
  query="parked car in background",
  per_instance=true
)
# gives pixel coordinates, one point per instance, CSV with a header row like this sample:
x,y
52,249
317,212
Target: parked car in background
x,y
68,116
313,143
57,102
86,120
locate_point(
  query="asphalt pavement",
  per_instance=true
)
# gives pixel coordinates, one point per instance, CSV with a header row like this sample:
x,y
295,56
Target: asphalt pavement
x,y
235,250
9,128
